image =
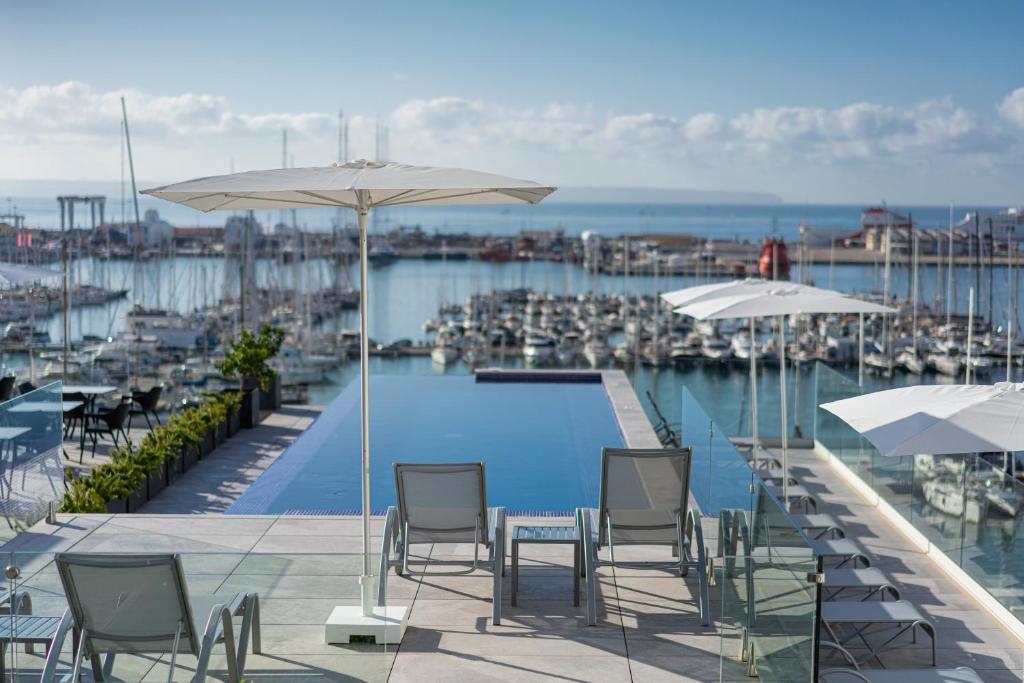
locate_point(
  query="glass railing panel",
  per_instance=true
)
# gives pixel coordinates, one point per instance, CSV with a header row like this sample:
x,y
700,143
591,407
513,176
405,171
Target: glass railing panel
x,y
989,551
769,595
719,475
31,468
967,506
784,595
293,595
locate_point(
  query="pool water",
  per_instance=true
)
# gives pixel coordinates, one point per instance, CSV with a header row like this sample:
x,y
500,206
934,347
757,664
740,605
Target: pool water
x,y
540,442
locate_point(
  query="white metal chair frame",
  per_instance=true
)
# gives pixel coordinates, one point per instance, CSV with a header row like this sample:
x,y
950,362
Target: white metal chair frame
x,y
396,541
689,533
219,625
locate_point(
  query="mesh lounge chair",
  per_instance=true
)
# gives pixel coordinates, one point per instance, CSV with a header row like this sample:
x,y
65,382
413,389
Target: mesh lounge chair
x,y
644,501
896,617
442,503
139,604
854,674
960,674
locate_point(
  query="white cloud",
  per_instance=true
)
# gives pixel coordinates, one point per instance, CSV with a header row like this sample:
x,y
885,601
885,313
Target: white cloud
x,y
1012,108
71,130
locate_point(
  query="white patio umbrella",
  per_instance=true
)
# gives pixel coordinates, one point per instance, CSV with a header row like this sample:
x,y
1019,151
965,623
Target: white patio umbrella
x,y
745,287
361,186
780,300
938,419
19,274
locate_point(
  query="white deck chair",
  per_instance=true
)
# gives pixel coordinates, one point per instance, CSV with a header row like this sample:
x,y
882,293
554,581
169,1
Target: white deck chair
x,y
442,503
139,604
644,501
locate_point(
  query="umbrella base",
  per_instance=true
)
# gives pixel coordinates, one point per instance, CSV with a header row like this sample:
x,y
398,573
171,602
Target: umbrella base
x,y
386,625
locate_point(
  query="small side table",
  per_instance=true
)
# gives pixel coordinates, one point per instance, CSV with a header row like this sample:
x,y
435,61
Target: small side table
x,y
547,534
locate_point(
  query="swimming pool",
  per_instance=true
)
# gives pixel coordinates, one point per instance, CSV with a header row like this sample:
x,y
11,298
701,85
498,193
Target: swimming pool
x,y
541,443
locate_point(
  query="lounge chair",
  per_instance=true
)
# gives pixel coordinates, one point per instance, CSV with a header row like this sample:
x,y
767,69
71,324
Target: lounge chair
x,y
866,582
644,501
960,674
139,604
798,495
819,525
854,674
897,616
442,503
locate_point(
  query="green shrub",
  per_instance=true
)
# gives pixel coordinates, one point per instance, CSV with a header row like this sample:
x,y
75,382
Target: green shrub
x,y
128,468
246,357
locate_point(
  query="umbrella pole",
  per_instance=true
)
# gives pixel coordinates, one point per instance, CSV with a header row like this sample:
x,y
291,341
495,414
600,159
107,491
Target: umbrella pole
x,y
366,580
860,349
753,390
785,429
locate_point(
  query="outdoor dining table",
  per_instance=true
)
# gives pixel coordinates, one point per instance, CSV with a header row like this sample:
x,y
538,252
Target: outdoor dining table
x,y
90,391
58,408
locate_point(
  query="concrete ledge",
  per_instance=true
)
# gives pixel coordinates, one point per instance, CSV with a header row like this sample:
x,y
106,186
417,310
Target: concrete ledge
x,y
636,429
972,588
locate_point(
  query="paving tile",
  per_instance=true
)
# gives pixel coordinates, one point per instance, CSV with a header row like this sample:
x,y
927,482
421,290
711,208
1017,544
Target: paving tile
x,y
456,668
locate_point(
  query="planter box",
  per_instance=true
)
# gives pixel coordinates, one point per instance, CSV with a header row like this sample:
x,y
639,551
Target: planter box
x,y
174,468
206,446
271,399
220,434
234,423
250,412
157,480
190,456
138,497
118,506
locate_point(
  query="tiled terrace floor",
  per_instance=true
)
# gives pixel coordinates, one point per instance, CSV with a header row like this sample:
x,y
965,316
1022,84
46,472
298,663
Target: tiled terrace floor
x,y
302,567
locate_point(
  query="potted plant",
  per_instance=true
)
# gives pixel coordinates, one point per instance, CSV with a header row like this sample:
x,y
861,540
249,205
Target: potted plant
x,y
232,402
245,359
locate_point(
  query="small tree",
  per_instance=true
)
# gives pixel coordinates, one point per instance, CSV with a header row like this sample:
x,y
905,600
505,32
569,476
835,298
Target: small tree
x,y
246,357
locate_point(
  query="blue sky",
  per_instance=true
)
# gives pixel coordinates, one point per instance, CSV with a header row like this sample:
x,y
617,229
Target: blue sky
x,y
915,101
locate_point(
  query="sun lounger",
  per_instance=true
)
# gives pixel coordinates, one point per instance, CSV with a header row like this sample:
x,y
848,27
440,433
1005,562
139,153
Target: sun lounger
x,y
818,525
895,617
442,503
139,604
798,495
961,674
865,582
644,501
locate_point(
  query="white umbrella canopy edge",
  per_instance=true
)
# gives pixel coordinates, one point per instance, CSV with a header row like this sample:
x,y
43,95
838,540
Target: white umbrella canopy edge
x,y
351,185
745,287
19,273
938,419
779,301
360,185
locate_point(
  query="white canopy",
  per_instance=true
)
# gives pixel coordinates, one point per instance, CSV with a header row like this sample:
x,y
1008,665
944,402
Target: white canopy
x,y
779,299
19,274
749,286
356,184
764,298
360,185
938,419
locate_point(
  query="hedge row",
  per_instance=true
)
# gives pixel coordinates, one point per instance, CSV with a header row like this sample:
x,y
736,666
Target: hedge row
x,y
159,451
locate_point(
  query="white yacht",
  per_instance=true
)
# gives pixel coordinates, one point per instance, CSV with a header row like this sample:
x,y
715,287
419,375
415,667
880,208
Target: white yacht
x,y
716,349
538,349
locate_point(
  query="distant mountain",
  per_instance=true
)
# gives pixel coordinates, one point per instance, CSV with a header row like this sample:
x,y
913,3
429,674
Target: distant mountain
x,y
655,195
